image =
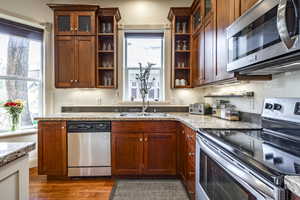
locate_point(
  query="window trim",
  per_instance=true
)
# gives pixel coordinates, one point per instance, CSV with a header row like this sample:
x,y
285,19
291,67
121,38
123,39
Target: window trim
x,y
135,33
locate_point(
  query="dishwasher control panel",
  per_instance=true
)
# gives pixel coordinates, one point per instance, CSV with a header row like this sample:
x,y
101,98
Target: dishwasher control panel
x,y
89,126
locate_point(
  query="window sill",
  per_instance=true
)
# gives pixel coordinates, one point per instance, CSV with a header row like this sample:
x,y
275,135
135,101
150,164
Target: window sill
x,y
18,133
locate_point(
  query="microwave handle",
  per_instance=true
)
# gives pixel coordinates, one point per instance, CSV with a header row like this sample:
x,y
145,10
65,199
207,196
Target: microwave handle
x,y
282,24
239,174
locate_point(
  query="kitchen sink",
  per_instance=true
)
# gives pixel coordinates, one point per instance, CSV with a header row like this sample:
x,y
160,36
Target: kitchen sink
x,y
143,115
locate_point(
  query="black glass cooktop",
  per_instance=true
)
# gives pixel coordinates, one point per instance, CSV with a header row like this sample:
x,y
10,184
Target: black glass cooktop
x,y
273,154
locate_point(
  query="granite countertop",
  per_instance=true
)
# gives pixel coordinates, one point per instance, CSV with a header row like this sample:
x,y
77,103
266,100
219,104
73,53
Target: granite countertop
x,y
12,151
293,184
193,121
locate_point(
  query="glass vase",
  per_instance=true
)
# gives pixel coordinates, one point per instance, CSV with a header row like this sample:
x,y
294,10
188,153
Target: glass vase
x,y
15,122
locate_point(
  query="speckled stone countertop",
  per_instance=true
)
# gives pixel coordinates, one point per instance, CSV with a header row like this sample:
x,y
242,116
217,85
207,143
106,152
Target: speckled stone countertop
x,y
193,121
293,184
12,151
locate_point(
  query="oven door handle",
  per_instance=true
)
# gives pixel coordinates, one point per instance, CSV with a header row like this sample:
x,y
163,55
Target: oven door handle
x,y
258,188
282,24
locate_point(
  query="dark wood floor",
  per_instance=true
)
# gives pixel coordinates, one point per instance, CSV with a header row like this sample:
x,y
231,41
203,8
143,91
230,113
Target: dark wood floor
x,y
86,189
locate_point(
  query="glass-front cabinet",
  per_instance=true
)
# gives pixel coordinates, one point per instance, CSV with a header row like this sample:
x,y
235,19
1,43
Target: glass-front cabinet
x,y
75,23
64,23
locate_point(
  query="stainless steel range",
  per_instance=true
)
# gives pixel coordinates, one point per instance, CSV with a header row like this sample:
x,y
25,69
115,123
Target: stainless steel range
x,y
250,164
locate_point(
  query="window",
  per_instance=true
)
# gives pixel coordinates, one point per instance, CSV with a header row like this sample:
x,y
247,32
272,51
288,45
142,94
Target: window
x,y
144,48
20,70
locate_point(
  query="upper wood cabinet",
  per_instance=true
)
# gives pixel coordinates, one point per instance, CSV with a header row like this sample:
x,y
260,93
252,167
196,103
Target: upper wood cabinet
x,y
246,5
52,148
75,45
181,73
74,19
226,14
75,61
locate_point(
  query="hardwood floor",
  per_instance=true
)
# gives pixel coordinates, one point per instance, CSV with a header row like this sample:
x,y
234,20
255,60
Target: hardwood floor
x,y
83,189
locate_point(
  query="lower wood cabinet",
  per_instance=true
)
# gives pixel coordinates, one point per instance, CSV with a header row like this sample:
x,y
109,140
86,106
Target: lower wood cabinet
x,y
144,151
159,153
52,148
186,154
127,153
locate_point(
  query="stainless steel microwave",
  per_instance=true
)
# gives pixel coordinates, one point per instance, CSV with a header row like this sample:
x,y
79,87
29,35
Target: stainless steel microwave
x,y
265,40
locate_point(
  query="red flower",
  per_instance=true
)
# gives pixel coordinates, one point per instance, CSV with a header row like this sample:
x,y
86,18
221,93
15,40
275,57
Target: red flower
x,y
10,104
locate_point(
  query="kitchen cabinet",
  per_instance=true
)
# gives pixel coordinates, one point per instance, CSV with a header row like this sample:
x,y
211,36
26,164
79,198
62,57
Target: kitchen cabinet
x,y
209,50
144,148
107,58
159,153
186,152
52,148
226,14
181,47
75,61
127,153
73,20
246,5
75,45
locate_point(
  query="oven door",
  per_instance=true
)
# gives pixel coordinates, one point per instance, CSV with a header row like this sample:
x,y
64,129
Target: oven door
x,y
218,177
269,29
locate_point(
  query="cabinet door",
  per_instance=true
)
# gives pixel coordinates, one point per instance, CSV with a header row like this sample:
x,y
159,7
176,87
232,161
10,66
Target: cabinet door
x,y
64,23
209,52
64,61
85,23
196,59
52,148
225,16
85,62
246,5
159,154
182,152
127,153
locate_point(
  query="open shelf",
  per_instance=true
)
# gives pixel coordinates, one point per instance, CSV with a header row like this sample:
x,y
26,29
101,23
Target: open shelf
x,y
106,73
246,94
181,46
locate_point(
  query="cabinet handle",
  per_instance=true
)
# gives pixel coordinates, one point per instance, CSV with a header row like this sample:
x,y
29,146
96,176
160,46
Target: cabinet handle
x,y
141,139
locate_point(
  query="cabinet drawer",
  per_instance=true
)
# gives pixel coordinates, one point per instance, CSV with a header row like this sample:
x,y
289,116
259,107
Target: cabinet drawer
x,y
144,126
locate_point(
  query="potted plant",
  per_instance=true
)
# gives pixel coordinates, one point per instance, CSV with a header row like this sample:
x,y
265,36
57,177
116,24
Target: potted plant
x,y
14,109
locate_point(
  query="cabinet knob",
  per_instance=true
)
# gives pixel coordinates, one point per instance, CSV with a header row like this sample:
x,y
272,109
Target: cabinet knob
x,y
76,81
182,132
76,29
71,29
141,139
62,127
191,154
71,81
146,139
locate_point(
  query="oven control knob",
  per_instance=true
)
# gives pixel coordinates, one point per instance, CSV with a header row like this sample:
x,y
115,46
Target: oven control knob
x,y
269,156
277,160
269,106
277,106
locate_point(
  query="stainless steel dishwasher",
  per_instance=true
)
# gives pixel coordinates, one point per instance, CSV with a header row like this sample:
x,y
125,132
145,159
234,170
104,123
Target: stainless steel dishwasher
x,y
89,148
